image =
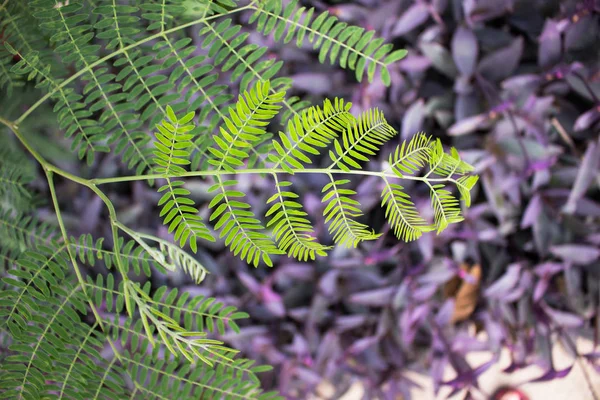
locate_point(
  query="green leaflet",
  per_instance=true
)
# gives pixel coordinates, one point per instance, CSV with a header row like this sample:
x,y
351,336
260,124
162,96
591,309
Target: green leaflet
x,y
350,46
340,214
172,154
288,230
306,133
361,138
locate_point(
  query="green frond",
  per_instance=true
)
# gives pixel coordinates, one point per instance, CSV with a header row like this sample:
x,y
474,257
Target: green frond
x,y
13,181
192,345
447,165
173,144
116,123
464,185
245,125
401,213
20,231
190,382
409,158
308,133
172,153
159,14
181,323
8,258
246,122
361,138
340,214
21,32
36,274
229,50
180,215
42,313
51,346
133,258
291,229
446,207
350,46
9,81
242,231
72,114
192,75
172,257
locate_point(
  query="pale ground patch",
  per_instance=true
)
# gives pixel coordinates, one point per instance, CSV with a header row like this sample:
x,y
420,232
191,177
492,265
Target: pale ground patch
x,y
574,386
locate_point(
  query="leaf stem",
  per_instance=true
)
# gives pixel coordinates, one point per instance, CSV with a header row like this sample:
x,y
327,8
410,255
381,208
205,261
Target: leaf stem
x,y
255,171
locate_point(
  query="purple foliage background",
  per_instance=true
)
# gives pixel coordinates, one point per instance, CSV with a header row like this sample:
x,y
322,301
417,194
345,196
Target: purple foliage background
x,y
515,86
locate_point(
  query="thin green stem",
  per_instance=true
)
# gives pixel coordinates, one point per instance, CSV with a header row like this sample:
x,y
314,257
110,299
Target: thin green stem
x,y
50,169
255,171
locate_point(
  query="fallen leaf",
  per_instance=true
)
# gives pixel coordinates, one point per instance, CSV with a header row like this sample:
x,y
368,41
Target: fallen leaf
x,y
464,291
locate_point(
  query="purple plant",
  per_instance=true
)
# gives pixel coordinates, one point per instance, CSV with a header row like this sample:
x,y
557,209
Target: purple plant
x,y
515,86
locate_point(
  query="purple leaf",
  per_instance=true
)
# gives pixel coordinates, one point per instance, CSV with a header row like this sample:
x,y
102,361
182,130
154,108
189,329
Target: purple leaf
x,y
549,51
412,122
505,283
587,119
501,63
377,297
585,174
582,33
349,322
562,318
272,301
250,282
440,58
482,10
552,374
329,282
520,83
466,105
362,344
467,125
313,82
414,16
303,272
540,289
576,253
425,292
445,313
414,63
531,212
465,50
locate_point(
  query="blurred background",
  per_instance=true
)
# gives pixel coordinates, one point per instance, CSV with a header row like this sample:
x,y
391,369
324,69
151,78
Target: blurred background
x,y
511,296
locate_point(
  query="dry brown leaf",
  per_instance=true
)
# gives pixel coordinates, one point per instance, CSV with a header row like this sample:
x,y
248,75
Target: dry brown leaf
x,y
465,294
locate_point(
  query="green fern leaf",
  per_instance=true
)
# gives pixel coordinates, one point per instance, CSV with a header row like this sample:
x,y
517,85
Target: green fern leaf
x,y
361,138
291,229
246,123
340,214
447,165
243,233
409,158
464,185
314,129
446,207
401,213
351,46
172,152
